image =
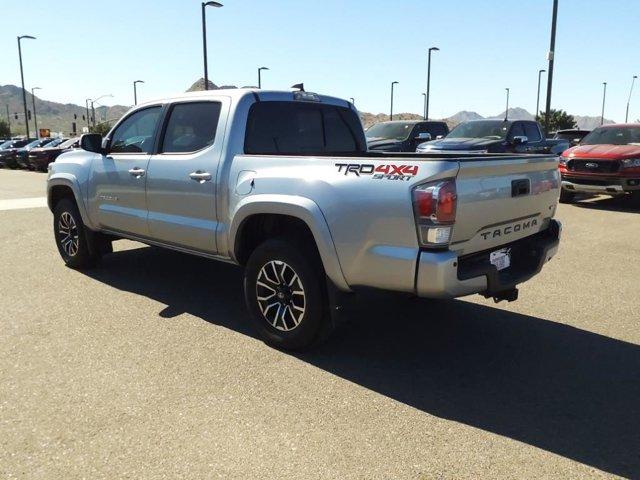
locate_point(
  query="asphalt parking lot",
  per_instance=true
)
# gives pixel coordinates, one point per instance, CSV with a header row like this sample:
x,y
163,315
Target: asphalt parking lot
x,y
145,368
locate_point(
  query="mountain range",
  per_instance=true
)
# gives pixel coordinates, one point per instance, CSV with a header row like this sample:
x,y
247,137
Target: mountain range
x,y
58,117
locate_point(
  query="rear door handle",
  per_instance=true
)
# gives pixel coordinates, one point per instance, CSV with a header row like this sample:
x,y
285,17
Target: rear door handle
x,y
137,172
200,176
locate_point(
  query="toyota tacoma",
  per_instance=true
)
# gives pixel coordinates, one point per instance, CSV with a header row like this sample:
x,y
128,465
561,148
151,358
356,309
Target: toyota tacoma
x,y
282,184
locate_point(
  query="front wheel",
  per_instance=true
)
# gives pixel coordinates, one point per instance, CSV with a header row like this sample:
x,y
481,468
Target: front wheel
x,y
285,292
78,247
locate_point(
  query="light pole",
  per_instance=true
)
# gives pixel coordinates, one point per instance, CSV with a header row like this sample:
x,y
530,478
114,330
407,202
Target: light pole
x,y
8,119
550,55
93,110
604,96
86,104
540,72
633,80
426,108
260,76
35,117
135,91
24,93
506,112
204,39
8,116
393,84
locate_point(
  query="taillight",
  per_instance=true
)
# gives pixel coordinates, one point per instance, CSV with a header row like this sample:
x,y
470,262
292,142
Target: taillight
x,y
435,211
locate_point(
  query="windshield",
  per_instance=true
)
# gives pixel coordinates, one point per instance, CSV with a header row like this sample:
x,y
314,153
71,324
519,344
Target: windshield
x,y
68,143
4,145
35,143
55,142
491,129
396,131
613,136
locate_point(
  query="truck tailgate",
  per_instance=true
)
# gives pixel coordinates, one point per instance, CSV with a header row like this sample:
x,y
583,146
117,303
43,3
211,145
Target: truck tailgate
x,y
501,200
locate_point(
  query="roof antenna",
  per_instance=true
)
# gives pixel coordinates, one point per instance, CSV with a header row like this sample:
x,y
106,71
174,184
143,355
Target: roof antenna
x,y
299,86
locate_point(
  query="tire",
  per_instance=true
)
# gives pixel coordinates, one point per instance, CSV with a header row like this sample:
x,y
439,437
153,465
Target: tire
x,y
566,196
78,246
286,295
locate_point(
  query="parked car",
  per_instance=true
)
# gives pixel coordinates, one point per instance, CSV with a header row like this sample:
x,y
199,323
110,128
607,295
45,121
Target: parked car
x,y
8,150
403,136
495,136
573,136
40,158
282,184
20,158
607,161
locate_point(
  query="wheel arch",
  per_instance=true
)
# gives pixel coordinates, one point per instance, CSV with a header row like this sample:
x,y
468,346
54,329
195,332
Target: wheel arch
x,y
65,186
294,212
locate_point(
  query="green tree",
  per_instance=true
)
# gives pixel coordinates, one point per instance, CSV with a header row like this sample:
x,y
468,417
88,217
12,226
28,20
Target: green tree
x,y
4,129
558,120
101,128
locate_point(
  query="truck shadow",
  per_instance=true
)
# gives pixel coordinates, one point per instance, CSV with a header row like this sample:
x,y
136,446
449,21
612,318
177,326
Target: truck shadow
x,y
565,390
613,204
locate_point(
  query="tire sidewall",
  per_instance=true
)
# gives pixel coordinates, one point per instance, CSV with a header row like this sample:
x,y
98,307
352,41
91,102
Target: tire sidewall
x,y
83,257
311,275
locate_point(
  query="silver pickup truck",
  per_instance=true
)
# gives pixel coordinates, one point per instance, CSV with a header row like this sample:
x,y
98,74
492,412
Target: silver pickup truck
x,y
282,184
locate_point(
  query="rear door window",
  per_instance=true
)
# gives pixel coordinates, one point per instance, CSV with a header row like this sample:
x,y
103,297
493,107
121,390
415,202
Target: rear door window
x,y
532,132
516,130
191,127
299,128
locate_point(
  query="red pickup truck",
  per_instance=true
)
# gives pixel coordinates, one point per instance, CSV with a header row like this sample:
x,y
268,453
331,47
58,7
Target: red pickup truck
x,y
607,161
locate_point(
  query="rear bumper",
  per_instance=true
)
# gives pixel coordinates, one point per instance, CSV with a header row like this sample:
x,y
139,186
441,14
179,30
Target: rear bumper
x,y
607,185
446,275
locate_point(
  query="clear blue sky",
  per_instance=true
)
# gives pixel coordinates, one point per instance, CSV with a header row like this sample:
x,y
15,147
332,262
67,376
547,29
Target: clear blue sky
x,y
349,48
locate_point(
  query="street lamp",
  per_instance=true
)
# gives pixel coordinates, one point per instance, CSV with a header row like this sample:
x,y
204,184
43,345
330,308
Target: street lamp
x,y
204,40
8,116
426,109
604,96
24,93
540,72
93,110
86,104
550,56
633,80
506,112
392,85
35,117
424,106
260,76
135,91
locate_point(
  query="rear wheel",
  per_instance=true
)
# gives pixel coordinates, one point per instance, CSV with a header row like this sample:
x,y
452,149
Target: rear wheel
x,y
567,196
285,292
78,246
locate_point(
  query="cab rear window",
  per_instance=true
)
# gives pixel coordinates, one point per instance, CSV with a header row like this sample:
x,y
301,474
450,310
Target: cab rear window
x,y
302,128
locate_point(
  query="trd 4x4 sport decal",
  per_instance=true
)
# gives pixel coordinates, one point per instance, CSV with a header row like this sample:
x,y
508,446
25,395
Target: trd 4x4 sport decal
x,y
381,172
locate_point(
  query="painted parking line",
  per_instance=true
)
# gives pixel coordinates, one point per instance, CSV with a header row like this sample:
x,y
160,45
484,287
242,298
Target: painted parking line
x,y
19,203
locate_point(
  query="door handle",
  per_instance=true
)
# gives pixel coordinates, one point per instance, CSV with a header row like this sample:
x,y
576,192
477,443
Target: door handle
x,y
200,176
137,172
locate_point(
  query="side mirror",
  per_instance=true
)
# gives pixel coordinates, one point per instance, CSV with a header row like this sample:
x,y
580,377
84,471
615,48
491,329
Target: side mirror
x,y
91,142
423,136
519,140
